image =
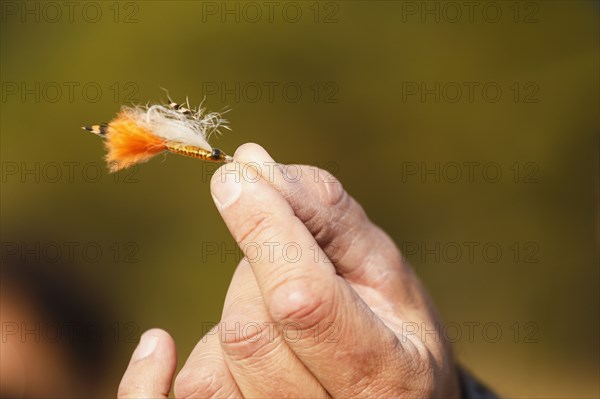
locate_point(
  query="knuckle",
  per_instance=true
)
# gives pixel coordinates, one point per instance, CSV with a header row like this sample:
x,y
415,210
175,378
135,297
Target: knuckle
x,y
335,193
302,304
334,213
331,190
251,348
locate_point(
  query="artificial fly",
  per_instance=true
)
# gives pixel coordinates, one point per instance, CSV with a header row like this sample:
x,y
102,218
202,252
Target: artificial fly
x,y
138,133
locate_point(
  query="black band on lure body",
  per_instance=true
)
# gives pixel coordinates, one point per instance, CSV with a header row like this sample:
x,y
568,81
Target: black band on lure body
x,y
216,154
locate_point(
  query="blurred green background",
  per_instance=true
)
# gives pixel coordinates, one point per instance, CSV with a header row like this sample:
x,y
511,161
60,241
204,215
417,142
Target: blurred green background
x,y
368,110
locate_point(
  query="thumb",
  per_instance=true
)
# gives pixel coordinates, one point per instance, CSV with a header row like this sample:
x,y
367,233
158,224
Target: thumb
x,y
152,367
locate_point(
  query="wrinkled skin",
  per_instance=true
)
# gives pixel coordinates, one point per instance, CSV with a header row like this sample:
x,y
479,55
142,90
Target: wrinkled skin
x,y
326,304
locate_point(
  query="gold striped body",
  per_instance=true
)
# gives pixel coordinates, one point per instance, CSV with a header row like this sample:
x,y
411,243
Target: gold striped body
x,y
215,155
189,151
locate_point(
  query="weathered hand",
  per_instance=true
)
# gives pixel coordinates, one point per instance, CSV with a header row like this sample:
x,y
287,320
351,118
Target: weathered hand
x,y
322,305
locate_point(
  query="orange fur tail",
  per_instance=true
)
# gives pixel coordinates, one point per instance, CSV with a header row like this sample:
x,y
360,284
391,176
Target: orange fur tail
x,y
129,143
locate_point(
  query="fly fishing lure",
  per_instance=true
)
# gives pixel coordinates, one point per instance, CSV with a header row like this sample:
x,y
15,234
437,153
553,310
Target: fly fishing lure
x,y
138,133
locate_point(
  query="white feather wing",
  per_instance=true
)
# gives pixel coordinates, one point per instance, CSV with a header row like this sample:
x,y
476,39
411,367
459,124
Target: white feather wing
x,y
174,126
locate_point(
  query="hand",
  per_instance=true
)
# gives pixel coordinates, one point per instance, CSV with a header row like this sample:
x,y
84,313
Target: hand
x,y
324,303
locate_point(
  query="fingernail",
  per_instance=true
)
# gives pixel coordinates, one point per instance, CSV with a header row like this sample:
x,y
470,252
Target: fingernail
x,y
226,185
147,345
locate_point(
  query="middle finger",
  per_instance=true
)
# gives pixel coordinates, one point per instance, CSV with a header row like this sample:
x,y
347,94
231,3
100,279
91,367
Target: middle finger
x,y
261,362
